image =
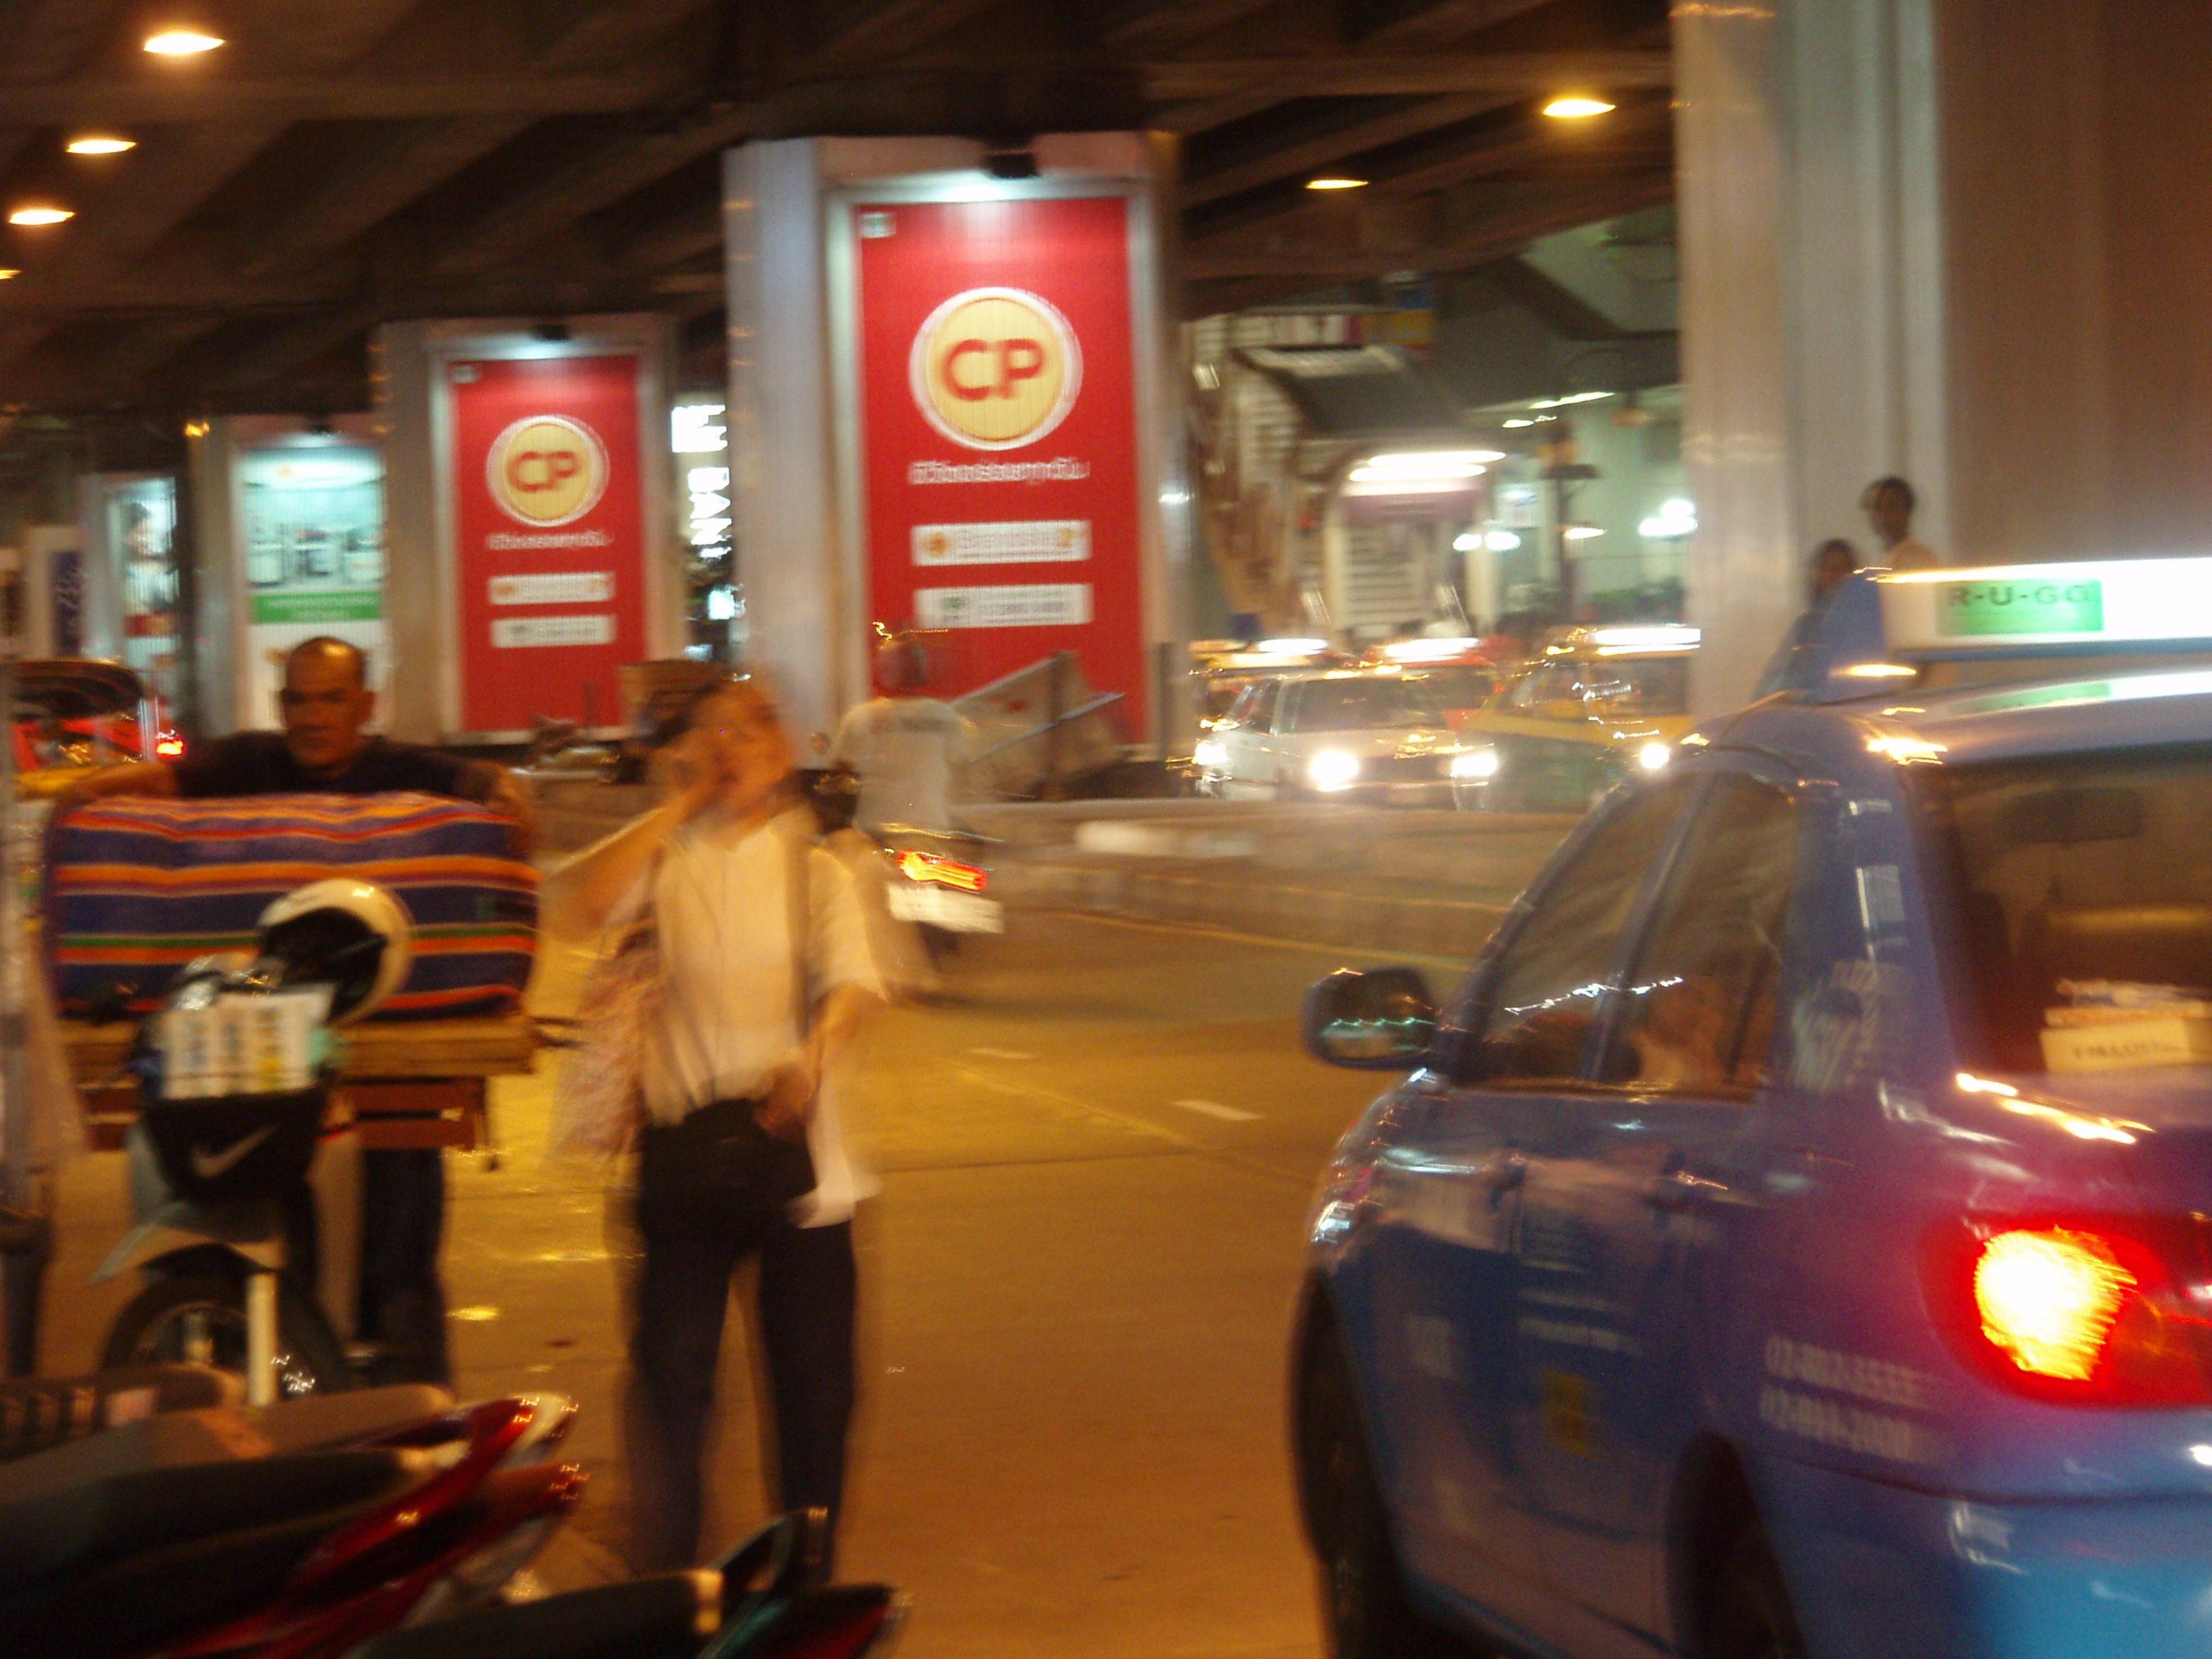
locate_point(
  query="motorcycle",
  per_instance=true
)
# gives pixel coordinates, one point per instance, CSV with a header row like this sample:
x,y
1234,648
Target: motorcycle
x,y
760,1602
304,1554
220,1153
940,883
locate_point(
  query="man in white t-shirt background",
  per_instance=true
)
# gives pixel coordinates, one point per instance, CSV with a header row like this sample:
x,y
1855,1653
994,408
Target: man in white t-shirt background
x,y
911,752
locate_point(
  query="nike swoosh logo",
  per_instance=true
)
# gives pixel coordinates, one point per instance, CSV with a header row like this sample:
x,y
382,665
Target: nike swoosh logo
x,y
208,1166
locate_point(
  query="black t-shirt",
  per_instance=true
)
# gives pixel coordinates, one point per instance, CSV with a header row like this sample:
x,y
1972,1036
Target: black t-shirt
x,y
258,764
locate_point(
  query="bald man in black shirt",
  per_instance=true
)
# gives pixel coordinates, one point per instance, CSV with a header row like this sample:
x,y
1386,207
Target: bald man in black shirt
x,y
324,748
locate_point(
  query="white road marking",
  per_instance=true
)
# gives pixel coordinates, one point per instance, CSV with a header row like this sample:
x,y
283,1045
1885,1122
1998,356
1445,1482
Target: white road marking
x,y
1215,1109
1001,1054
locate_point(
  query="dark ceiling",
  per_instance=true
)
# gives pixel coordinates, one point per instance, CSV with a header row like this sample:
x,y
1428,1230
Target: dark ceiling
x,y
338,163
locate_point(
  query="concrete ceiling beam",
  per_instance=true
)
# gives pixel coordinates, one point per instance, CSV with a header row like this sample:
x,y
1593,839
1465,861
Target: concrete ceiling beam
x,y
1351,74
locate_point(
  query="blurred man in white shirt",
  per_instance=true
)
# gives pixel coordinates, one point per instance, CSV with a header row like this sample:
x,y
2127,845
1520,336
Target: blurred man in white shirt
x,y
911,752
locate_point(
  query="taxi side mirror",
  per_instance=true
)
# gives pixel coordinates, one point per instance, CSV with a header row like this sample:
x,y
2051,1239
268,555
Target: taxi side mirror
x,y
1377,1019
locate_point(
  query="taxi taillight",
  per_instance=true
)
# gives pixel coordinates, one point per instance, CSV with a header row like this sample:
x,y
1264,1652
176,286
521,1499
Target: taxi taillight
x,y
2091,1313
929,868
2049,1298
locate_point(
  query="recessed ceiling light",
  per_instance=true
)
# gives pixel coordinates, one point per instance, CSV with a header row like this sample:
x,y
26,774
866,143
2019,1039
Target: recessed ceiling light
x,y
39,215
181,42
1575,109
101,143
1335,182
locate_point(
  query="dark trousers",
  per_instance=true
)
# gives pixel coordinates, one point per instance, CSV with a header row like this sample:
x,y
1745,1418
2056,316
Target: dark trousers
x,y
402,1303
808,1285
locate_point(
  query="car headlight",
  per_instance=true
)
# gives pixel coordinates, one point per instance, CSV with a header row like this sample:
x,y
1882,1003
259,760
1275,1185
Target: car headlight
x,y
1475,763
1332,768
1653,756
1212,752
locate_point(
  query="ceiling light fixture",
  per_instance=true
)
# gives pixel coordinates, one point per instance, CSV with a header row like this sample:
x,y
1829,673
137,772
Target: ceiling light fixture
x,y
1333,181
39,215
5,274
1577,108
101,143
181,42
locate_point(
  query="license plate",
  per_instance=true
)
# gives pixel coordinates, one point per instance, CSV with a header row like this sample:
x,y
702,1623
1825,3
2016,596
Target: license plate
x,y
940,907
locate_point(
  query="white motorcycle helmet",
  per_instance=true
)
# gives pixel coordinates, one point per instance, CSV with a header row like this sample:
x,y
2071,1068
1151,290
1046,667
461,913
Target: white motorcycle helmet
x,y
349,934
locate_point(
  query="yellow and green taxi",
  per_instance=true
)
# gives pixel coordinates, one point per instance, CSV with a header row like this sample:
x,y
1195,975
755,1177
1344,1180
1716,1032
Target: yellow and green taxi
x,y
1596,705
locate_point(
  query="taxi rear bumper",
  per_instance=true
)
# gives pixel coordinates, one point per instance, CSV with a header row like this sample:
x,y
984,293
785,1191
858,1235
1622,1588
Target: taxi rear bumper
x,y
1875,1568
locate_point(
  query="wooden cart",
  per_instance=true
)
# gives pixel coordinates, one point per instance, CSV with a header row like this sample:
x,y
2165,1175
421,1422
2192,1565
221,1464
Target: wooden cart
x,y
402,1084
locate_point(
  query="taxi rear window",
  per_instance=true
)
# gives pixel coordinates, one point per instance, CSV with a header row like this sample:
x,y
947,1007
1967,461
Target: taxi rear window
x,y
2084,898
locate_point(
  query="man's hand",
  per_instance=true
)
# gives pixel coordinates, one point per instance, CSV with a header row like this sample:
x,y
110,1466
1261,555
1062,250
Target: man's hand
x,y
790,1099
694,775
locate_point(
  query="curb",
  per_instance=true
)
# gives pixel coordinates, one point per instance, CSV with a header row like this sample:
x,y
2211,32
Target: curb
x,y
1383,922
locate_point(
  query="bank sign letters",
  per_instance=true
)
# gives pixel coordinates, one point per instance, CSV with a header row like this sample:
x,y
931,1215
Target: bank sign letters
x,y
549,534
999,432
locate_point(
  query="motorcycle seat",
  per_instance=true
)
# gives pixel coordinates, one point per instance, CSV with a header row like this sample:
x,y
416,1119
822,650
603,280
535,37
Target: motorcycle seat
x,y
78,1529
156,1599
670,1614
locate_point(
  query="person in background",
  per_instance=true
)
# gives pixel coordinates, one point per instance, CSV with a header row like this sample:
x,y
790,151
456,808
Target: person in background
x,y
1888,504
910,752
1833,559
326,748
749,1025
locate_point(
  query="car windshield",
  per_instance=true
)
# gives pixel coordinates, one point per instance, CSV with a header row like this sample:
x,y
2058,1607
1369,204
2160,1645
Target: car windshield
x,y
1610,688
1215,695
1352,705
1456,687
1639,685
2084,903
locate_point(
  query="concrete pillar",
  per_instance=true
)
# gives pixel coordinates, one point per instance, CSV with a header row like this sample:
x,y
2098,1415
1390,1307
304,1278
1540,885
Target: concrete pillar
x,y
1947,239
1813,299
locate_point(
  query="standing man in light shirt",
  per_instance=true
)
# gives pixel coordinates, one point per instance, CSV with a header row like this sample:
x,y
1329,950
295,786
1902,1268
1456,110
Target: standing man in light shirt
x,y
766,974
911,752
1888,503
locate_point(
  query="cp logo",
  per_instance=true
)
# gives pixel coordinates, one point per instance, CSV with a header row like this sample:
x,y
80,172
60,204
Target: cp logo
x,y
547,470
995,369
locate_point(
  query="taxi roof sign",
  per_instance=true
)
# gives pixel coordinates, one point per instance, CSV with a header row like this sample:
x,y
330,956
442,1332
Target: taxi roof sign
x,y
1876,633
2082,604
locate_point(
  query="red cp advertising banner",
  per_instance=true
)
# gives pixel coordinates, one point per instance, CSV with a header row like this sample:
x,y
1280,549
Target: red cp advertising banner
x,y
550,535
998,422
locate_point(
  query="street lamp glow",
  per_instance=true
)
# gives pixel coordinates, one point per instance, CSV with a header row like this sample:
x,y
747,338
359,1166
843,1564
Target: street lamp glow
x,y
181,42
101,143
39,215
1333,181
1577,108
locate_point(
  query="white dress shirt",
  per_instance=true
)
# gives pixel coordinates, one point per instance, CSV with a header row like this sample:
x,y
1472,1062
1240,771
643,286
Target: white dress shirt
x,y
729,1016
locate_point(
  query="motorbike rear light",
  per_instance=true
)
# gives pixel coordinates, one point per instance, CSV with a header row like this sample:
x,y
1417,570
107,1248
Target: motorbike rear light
x,y
2085,1312
930,868
2049,1299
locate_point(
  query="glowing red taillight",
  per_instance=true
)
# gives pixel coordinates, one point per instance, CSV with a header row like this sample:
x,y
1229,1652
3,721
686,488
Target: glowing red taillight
x,y
2091,1312
2049,1299
169,747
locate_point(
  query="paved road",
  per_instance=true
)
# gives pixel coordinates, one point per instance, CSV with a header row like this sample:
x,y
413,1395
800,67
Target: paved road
x,y
1076,1281
1076,1286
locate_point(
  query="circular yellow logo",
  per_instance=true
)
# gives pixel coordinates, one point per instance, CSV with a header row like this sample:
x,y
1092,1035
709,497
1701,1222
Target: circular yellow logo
x,y
547,470
995,368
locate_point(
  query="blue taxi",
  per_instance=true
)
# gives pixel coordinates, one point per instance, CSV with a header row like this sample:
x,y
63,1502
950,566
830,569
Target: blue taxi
x,y
1794,1234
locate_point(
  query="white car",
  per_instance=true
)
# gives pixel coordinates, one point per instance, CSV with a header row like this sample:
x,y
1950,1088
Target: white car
x,y
1375,735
